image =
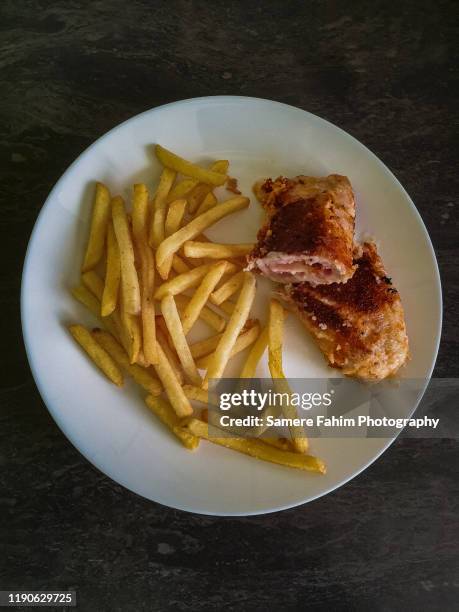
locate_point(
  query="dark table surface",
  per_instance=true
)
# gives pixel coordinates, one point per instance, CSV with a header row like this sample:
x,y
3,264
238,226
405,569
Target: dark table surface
x,y
386,72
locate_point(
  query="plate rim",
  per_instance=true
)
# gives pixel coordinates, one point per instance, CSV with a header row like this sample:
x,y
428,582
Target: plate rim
x,y
33,363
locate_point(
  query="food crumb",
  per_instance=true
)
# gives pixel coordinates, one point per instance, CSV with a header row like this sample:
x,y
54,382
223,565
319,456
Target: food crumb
x,y
231,185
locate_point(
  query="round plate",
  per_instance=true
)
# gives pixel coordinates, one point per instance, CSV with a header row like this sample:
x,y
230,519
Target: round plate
x,y
113,429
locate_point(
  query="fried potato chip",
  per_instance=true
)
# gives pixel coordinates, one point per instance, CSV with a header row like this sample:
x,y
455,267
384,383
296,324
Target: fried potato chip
x,y
275,340
182,282
213,250
140,211
174,216
112,274
142,376
245,339
166,414
201,295
257,448
255,354
172,244
171,384
177,334
174,219
181,189
167,345
178,265
229,288
199,194
235,324
130,288
196,393
174,162
97,354
160,207
207,203
132,330
94,283
204,347
207,315
98,231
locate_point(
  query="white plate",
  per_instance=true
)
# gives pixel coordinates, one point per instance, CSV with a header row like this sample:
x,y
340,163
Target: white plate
x,y
112,428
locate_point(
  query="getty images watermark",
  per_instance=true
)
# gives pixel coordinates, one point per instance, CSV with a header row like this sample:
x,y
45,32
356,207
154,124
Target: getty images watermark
x,y
333,407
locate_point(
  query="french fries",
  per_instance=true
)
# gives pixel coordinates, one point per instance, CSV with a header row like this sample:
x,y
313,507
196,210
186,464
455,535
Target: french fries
x,y
257,448
182,189
112,274
275,338
166,414
197,261
227,307
203,193
140,212
160,207
212,417
281,443
129,281
94,283
235,324
197,197
245,339
202,190
132,332
172,244
196,393
142,376
174,162
182,282
177,334
174,216
173,221
119,285
174,391
168,347
178,265
204,347
213,250
148,305
97,354
201,295
209,316
255,354
99,222
228,288
208,202
88,299
147,272
220,166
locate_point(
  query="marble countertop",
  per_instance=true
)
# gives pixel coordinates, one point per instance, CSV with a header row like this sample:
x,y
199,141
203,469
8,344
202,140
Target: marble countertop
x,y
386,72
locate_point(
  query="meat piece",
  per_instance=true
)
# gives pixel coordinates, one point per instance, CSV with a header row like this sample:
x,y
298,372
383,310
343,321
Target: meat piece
x,y
309,232
359,325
